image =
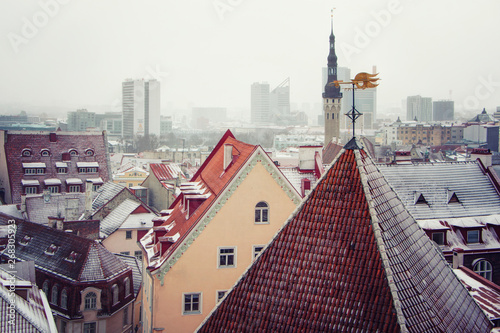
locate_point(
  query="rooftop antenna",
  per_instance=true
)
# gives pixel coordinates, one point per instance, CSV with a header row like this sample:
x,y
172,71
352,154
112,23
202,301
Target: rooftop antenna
x,y
361,81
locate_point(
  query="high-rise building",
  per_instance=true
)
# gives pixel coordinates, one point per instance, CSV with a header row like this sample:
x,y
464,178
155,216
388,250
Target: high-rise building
x,y
141,107
259,104
419,107
443,110
279,101
332,95
80,120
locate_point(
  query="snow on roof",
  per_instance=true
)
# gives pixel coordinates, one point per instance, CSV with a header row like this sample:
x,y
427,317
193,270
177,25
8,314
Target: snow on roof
x,y
34,165
117,216
95,180
137,221
61,165
74,181
52,181
30,182
87,164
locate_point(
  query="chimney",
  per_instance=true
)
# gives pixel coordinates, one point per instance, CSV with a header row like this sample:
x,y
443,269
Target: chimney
x,y
483,154
56,222
458,257
307,157
53,137
228,155
88,196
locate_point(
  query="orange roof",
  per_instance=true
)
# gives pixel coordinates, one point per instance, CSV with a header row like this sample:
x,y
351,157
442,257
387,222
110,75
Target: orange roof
x,y
196,198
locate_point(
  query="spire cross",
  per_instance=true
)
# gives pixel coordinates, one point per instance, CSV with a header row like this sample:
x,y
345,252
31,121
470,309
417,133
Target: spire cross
x,y
353,114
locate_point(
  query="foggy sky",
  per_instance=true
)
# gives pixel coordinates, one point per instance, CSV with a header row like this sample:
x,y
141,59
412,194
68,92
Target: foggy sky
x,y
209,52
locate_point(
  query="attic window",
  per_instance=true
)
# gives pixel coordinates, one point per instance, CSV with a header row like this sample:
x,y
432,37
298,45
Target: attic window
x,y
72,257
26,239
26,153
89,152
51,250
73,152
45,153
420,199
453,197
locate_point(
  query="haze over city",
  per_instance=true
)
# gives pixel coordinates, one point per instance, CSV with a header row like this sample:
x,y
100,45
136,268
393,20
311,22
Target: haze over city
x,y
66,55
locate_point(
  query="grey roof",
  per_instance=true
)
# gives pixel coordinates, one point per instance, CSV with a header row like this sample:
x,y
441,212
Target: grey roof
x,y
116,218
136,266
92,262
105,193
39,208
436,182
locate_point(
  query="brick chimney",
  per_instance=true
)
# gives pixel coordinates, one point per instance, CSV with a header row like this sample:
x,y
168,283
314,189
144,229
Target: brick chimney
x,y
88,196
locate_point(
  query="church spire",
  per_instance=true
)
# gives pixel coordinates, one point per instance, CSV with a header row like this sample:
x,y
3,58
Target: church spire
x,y
330,90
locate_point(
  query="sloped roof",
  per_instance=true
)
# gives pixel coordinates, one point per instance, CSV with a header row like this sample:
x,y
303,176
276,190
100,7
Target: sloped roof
x,y
331,150
92,262
210,181
350,258
435,181
39,208
166,171
136,266
117,216
30,315
105,193
482,117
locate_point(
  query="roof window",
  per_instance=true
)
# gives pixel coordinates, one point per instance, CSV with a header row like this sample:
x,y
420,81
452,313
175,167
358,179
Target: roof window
x,y
89,152
26,152
420,199
45,152
51,249
26,239
72,256
73,152
452,197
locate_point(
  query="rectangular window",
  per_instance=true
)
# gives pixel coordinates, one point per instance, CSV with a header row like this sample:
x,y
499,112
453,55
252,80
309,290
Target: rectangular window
x,y
138,255
90,327
74,188
472,236
438,237
40,171
29,171
30,190
256,250
128,234
82,170
53,189
192,303
62,170
125,316
127,253
95,187
220,295
227,257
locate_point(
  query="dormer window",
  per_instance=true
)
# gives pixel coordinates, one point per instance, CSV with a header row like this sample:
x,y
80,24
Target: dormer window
x,y
73,152
26,239
452,197
89,152
473,236
439,237
45,153
72,257
51,249
26,153
420,199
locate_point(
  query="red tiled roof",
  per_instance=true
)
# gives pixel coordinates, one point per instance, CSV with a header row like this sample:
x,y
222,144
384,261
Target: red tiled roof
x,y
351,258
62,143
211,179
166,171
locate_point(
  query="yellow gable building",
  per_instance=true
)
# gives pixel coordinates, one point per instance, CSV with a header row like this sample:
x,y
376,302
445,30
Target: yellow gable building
x,y
220,222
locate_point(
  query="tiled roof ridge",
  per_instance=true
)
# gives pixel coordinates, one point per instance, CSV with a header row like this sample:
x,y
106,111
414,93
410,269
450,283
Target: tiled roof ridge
x,y
123,210
380,244
416,163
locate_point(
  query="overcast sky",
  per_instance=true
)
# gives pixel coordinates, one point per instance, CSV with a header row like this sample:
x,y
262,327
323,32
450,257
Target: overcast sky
x,y
75,54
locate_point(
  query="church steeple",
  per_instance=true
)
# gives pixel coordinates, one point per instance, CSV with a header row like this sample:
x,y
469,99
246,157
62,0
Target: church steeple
x,y
330,90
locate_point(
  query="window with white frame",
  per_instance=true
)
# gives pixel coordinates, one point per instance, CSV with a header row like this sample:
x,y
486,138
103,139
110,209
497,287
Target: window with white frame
x,y
114,292
55,295
30,190
473,236
262,213
53,189
227,257
64,299
30,171
138,255
62,170
483,268
128,234
90,301
126,283
191,303
90,327
256,250
95,187
74,188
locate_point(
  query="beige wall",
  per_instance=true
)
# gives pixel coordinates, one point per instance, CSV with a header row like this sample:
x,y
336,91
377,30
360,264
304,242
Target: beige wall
x,y
196,270
117,242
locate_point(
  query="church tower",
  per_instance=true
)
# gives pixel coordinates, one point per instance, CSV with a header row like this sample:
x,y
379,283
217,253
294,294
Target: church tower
x,y
332,96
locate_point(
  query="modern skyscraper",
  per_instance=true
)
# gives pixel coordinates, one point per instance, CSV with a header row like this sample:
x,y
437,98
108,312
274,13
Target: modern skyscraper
x,y
259,103
141,107
80,120
419,107
443,110
332,95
